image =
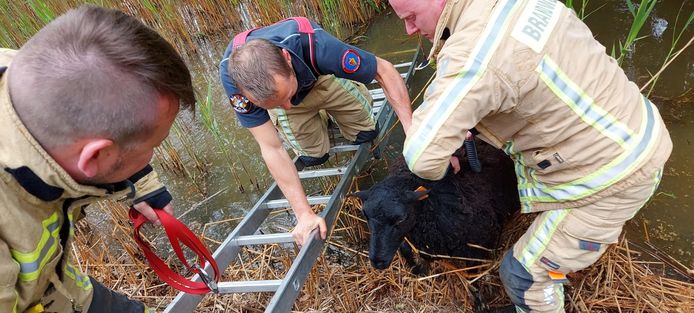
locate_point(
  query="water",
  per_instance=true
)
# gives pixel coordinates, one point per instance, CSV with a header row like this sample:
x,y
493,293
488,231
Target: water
x,y
667,218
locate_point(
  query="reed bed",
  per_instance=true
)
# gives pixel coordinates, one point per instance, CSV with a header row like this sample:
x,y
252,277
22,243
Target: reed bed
x,y
625,279
188,24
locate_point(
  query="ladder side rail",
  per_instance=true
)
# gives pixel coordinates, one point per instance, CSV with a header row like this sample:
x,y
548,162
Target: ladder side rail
x,y
227,252
385,119
284,298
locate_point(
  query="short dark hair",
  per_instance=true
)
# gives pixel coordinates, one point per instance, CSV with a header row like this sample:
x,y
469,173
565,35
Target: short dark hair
x,y
95,71
252,67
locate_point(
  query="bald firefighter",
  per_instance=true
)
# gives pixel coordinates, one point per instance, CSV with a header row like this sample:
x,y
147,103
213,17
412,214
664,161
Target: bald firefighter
x,y
82,105
280,77
589,149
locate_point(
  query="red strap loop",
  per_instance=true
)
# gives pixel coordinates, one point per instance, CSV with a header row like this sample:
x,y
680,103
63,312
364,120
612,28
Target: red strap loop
x,y
177,233
305,27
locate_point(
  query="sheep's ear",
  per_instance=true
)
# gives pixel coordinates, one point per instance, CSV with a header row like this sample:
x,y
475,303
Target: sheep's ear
x,y
419,194
363,195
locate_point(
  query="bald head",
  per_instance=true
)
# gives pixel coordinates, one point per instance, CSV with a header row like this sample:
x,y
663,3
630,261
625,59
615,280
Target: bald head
x,y
420,16
253,66
94,72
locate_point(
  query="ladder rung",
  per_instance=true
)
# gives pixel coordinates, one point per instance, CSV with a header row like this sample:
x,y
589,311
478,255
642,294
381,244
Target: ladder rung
x,y
264,239
403,75
283,203
406,64
249,286
322,172
343,148
377,94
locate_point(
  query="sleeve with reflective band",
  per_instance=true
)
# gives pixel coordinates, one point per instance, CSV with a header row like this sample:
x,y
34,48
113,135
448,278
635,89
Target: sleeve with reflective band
x,y
249,115
464,92
342,60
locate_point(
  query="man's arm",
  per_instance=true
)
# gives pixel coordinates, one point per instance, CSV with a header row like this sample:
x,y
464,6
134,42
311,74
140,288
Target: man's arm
x,y
284,172
150,194
395,91
9,269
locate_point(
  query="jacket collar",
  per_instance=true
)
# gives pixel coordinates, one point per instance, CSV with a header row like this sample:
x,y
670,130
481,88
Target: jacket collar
x,y
33,168
447,24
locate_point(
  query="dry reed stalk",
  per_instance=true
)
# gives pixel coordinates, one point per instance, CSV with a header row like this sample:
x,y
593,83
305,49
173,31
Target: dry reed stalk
x,y
343,280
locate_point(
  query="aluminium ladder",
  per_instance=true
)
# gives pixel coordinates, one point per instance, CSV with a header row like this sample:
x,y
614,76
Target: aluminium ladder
x,y
286,290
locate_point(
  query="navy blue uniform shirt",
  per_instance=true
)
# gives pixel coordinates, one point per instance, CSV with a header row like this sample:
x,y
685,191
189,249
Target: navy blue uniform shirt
x,y
332,56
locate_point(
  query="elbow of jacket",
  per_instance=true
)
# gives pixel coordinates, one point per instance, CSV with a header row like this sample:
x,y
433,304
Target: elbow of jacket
x,y
427,172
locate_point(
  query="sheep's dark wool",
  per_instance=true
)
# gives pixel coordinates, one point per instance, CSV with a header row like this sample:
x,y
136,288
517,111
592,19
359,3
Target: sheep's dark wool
x,y
461,208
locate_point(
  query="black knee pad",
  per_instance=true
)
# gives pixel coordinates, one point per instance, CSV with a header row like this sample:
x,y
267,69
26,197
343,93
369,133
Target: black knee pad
x,y
366,136
313,161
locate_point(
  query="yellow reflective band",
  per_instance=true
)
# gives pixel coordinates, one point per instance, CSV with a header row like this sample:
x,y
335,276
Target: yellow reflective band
x,y
456,91
72,224
81,281
636,150
543,234
519,167
38,308
583,105
31,263
352,90
16,301
283,121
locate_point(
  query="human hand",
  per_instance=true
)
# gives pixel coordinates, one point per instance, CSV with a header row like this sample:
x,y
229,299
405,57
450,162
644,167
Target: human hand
x,y
306,223
146,210
455,163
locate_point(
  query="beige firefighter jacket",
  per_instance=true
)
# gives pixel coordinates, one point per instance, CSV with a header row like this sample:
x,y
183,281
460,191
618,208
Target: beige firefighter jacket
x,y
528,75
39,204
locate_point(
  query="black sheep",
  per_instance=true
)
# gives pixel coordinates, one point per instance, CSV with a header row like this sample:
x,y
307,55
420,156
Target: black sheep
x,y
461,208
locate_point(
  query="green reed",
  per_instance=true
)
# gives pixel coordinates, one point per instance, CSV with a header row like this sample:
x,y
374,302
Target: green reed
x,y
671,55
174,19
640,14
222,141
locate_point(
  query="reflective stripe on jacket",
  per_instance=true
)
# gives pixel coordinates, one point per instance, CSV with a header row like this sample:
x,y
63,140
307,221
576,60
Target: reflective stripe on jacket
x,y
530,77
39,205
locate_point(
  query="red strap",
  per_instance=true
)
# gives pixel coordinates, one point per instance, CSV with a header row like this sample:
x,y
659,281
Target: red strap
x,y
305,27
176,231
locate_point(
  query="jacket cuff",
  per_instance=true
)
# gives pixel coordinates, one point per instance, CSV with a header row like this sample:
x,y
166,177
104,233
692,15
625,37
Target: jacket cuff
x,y
156,199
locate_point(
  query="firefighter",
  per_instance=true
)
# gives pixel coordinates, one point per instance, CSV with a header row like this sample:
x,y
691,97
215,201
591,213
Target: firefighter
x,y
82,105
280,77
589,149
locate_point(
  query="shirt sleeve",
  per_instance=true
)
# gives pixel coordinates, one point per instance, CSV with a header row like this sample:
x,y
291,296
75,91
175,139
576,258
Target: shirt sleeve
x,y
455,102
342,60
249,114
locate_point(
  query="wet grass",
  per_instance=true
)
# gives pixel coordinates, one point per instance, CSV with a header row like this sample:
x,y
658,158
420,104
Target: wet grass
x,y
221,139
640,14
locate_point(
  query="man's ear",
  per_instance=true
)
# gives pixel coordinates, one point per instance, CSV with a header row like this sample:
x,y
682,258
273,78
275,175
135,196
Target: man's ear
x,y
91,155
287,57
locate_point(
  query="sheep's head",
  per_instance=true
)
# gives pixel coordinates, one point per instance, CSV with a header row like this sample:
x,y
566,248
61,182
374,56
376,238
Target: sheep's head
x,y
390,213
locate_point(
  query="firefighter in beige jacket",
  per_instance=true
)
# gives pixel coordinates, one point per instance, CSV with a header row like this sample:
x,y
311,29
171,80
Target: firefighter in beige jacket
x,y
588,147
60,150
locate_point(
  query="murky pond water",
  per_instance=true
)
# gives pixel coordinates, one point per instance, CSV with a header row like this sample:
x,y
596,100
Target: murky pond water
x,y
667,218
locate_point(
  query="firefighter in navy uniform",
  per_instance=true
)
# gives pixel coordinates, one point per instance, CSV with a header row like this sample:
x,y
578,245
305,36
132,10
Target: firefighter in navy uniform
x,y
70,136
280,77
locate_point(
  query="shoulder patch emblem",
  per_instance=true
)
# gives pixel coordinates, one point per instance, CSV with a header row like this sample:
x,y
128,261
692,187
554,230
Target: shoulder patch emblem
x,y
350,61
240,103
